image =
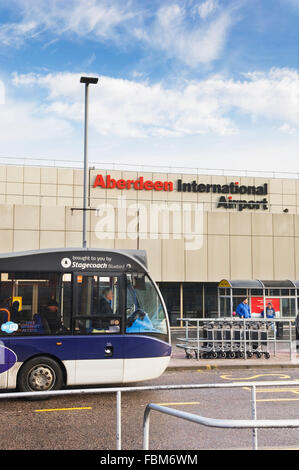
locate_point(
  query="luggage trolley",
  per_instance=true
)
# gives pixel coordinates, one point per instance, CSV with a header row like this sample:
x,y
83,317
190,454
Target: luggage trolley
x,y
258,333
237,348
210,347
230,339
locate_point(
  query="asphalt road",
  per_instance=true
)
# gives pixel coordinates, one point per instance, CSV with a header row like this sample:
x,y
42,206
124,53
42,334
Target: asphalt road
x,y
88,421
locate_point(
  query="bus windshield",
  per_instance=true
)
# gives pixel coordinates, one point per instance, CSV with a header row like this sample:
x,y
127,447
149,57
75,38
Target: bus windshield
x,y
144,309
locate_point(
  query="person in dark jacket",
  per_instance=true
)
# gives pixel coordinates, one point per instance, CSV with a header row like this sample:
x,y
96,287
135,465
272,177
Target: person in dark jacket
x,y
243,309
52,317
105,310
15,311
105,302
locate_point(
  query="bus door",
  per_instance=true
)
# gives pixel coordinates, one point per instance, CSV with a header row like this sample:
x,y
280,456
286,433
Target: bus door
x,y
98,325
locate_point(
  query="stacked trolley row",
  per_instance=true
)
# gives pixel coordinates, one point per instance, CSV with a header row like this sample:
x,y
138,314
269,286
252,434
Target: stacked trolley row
x,y
228,339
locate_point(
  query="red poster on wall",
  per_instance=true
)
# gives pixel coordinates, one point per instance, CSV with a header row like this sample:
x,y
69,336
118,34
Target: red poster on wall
x,y
257,305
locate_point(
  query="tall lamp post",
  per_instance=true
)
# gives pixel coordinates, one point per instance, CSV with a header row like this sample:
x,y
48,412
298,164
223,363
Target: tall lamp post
x,y
86,81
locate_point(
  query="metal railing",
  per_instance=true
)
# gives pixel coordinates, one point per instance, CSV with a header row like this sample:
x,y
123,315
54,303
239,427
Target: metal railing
x,y
216,423
119,390
194,342
73,163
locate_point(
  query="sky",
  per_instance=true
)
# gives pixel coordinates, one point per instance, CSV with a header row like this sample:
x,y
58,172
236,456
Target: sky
x,y
182,83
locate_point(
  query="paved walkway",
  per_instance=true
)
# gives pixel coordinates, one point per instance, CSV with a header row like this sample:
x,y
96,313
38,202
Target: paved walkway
x,y
209,364
281,360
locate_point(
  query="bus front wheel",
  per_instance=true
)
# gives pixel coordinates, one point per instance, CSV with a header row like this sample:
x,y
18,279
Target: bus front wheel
x,y
40,374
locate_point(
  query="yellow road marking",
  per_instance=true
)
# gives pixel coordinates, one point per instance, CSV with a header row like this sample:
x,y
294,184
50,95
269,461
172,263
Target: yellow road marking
x,y
64,409
275,390
277,399
180,403
293,390
229,377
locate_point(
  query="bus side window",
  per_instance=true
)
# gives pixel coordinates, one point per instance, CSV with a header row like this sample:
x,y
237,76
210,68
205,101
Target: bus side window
x,y
97,305
31,303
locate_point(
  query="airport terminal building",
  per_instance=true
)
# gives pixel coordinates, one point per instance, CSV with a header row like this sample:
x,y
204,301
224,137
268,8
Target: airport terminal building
x,y
197,228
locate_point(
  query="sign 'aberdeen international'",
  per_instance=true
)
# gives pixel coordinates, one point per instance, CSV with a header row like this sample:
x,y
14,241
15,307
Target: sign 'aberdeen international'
x,y
226,200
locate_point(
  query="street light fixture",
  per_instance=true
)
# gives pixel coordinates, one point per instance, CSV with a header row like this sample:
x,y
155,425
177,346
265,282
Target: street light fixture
x,y
86,81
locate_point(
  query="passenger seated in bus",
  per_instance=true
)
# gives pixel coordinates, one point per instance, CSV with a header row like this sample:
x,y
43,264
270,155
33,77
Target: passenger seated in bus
x,y
52,317
105,302
15,311
40,324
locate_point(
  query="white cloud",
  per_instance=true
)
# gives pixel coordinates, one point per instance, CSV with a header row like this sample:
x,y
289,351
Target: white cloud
x,y
170,28
201,42
132,109
99,17
273,94
20,121
287,129
127,108
2,93
138,74
190,125
13,34
206,8
87,62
